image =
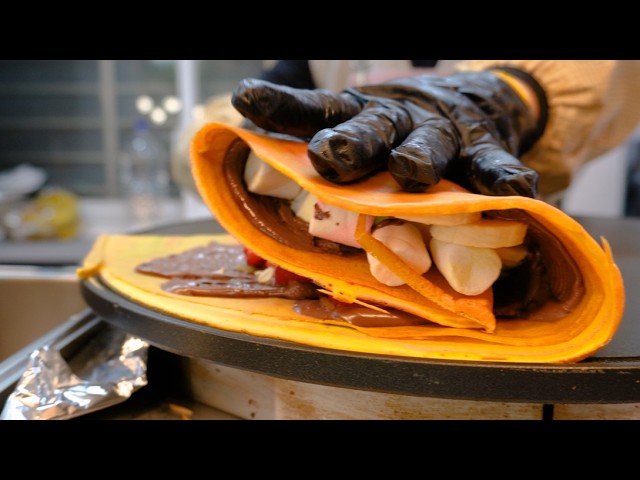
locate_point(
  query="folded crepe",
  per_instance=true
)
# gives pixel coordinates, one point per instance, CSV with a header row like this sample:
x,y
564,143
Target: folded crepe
x,y
564,304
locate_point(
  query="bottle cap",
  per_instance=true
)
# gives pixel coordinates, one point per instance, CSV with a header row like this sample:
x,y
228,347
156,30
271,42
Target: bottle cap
x,y
141,124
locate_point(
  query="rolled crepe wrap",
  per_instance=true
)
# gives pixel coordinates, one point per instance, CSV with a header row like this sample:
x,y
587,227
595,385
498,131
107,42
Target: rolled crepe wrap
x,y
582,274
581,317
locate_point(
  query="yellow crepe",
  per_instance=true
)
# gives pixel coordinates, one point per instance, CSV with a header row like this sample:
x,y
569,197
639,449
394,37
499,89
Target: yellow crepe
x,y
463,327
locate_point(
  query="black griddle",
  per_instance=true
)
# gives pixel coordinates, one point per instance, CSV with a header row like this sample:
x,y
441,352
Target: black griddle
x,y
612,375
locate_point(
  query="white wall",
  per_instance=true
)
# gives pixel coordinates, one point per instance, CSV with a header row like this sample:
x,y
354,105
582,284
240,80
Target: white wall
x,y
600,188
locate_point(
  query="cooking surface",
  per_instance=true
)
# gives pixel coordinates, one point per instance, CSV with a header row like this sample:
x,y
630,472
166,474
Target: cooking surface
x,y
624,236
612,375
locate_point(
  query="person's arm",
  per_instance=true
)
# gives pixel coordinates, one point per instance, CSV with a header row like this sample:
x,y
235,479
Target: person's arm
x,y
593,106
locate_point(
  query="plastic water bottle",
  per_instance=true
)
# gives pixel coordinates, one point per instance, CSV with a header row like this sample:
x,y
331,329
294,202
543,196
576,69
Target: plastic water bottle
x,y
144,174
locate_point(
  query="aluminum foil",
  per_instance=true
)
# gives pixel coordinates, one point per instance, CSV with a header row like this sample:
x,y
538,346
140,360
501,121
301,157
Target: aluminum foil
x,y
108,369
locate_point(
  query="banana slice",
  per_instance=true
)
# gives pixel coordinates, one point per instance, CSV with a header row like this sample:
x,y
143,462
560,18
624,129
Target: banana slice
x,y
407,243
512,256
469,270
485,233
450,219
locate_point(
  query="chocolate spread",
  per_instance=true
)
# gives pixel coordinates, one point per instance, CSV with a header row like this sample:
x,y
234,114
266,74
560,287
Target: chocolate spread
x,y
357,315
218,270
221,271
273,216
547,285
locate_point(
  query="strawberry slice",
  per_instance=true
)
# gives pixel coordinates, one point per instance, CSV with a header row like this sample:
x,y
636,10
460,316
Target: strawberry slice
x,y
253,259
282,276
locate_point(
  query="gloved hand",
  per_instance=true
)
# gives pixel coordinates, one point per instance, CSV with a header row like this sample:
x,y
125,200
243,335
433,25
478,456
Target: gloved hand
x,y
467,127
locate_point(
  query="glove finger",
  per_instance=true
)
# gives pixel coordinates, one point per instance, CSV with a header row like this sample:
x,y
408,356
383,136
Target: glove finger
x,y
491,170
292,111
361,145
421,160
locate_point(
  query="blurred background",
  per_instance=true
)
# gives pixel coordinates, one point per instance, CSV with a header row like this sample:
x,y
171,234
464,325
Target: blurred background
x,y
71,132
68,129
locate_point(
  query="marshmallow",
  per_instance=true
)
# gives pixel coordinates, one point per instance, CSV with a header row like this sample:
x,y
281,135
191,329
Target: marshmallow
x,y
469,270
406,242
336,224
304,205
262,179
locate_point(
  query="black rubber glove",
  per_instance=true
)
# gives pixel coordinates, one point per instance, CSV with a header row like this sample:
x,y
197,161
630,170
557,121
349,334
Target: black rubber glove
x,y
467,127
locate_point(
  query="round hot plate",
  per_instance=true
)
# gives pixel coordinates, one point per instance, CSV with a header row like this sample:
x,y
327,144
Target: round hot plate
x,y
610,376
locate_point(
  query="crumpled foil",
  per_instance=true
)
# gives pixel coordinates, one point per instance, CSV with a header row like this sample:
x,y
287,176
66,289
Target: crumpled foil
x,y
108,369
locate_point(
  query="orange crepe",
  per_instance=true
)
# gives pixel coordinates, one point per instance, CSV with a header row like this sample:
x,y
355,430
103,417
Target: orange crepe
x,y
462,327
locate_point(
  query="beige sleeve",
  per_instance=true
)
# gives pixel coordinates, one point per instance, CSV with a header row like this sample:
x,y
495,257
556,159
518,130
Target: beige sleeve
x,y
594,105
337,75
331,74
